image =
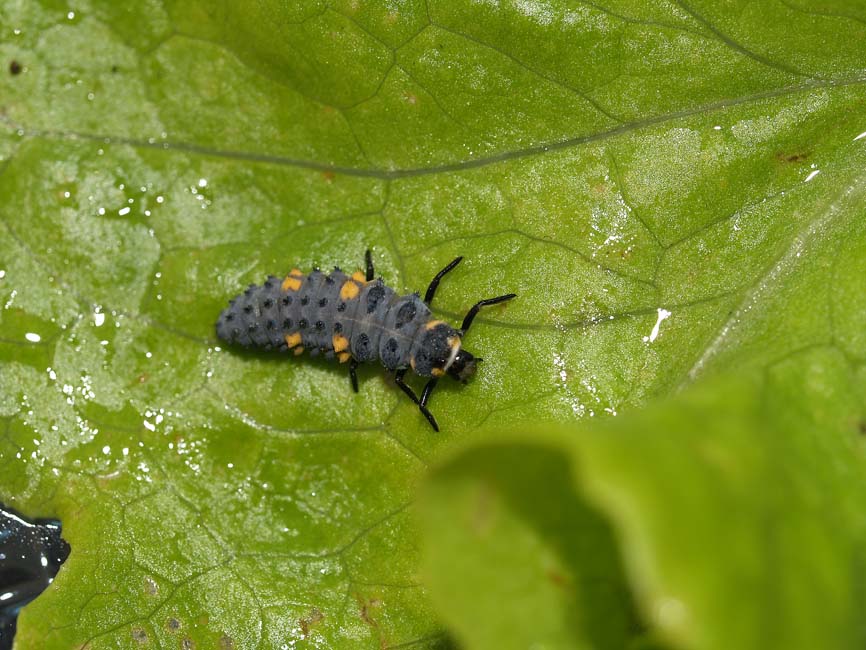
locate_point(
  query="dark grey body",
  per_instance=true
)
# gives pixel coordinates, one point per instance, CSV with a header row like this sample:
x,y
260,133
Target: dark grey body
x,y
377,322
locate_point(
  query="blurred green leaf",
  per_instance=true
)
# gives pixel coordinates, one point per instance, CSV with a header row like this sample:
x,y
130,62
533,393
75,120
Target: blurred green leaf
x,y
516,558
673,190
736,514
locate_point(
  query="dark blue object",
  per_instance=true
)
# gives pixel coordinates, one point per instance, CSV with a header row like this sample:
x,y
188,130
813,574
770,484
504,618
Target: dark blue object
x,y
355,318
31,553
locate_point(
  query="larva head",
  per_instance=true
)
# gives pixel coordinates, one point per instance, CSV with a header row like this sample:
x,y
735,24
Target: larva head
x,y
439,351
463,366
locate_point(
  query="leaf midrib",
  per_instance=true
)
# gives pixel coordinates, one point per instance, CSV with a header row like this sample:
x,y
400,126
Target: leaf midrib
x,y
412,172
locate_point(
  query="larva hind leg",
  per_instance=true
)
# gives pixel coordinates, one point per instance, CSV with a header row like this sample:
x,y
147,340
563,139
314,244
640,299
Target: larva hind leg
x,y
353,374
422,403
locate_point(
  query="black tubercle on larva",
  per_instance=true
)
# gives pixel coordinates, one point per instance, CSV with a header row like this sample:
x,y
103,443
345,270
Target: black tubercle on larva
x,y
361,348
374,296
405,314
391,353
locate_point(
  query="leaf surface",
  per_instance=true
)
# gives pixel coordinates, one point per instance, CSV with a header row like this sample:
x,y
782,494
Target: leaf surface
x,y
672,190
727,517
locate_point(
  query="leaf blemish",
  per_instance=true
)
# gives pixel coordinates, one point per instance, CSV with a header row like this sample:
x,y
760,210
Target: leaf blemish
x,y
792,157
559,579
151,588
312,618
366,606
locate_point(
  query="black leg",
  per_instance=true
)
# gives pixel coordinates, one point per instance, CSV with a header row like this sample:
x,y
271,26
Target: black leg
x,y
353,365
431,290
472,313
428,388
369,260
398,379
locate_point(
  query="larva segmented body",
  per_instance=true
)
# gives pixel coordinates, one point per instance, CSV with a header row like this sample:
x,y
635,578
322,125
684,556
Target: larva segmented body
x,y
354,319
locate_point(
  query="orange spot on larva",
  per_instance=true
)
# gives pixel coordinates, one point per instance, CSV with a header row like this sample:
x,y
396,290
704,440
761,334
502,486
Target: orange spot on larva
x,y
291,283
340,342
349,290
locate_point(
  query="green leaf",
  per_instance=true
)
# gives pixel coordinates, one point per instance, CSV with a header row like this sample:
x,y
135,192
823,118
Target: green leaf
x,y
516,559
736,515
610,164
